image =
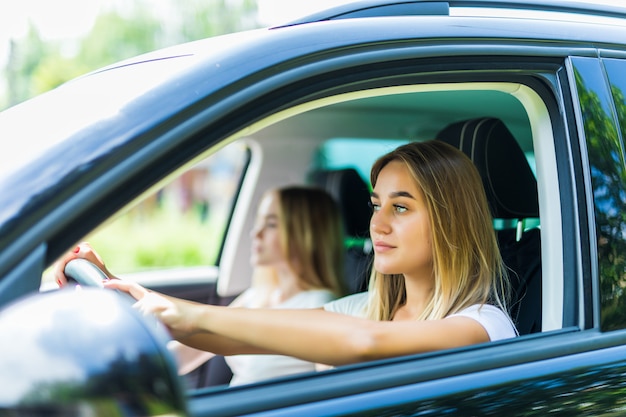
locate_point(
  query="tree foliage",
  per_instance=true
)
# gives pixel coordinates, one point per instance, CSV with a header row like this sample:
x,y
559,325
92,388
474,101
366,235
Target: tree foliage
x,y
36,65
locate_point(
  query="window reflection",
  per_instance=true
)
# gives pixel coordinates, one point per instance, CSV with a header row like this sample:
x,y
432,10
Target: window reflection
x,y
606,160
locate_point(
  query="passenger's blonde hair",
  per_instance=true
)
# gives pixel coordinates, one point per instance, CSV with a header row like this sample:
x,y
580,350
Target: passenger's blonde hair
x,y
467,265
312,236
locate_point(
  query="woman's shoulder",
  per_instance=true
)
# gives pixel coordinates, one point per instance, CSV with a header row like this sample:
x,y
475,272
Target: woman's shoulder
x,y
309,299
495,321
352,305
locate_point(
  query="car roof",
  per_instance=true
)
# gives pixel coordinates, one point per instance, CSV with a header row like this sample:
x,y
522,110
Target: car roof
x,y
380,8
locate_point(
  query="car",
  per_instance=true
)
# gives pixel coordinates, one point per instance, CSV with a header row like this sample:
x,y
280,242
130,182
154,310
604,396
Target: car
x,y
532,91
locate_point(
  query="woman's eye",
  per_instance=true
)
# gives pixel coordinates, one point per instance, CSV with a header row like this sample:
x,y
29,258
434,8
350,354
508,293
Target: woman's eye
x,y
374,206
400,209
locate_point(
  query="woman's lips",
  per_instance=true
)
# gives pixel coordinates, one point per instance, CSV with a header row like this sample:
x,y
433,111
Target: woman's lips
x,y
380,246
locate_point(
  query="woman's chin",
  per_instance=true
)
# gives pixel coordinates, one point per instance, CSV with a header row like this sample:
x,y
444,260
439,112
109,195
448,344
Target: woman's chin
x,y
385,269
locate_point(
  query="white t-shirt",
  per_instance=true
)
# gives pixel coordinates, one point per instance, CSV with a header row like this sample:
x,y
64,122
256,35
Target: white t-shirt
x,y
495,321
252,368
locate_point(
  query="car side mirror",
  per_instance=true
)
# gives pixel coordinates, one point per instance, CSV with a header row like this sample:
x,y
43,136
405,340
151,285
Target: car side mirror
x,y
82,352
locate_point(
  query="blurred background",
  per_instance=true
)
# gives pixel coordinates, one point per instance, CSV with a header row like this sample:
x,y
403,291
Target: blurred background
x,y
44,43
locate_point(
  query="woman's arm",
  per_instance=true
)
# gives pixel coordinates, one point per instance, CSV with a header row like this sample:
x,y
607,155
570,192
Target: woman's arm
x,y
335,339
220,344
314,335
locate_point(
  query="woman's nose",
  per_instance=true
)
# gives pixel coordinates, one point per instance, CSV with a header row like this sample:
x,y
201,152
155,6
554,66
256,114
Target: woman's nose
x,y
379,223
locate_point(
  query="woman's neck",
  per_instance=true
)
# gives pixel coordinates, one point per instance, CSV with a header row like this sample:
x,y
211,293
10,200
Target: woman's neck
x,y
289,284
419,291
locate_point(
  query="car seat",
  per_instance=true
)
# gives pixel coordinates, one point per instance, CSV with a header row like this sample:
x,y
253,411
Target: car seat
x,y
353,197
511,189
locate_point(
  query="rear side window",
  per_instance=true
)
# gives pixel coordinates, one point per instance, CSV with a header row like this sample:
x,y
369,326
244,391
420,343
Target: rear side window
x,y
180,225
615,221
601,109
360,154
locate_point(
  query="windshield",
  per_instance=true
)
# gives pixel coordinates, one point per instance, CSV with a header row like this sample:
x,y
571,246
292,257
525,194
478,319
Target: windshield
x,y
32,128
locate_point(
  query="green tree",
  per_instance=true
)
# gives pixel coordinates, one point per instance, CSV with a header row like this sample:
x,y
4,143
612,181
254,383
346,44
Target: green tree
x,y
25,56
36,66
202,19
115,37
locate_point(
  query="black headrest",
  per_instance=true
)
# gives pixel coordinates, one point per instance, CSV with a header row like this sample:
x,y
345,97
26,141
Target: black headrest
x,y
353,196
509,182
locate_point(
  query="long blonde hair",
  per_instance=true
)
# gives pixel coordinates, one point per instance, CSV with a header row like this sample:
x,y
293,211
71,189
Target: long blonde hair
x,y
312,236
467,265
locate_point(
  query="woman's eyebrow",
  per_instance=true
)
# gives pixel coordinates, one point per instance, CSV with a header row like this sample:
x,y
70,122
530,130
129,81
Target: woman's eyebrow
x,y
396,194
401,194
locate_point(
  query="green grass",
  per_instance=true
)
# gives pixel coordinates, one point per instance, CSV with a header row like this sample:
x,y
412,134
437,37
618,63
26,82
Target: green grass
x,y
161,239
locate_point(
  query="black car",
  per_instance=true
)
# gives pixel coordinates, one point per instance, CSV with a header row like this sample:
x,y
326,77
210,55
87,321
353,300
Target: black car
x,y
532,91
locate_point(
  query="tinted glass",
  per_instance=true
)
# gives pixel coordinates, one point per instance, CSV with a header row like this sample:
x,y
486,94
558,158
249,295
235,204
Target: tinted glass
x,y
615,306
360,154
606,161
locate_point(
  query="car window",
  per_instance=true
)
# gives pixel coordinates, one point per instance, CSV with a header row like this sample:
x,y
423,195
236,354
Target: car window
x,y
357,153
352,130
602,111
181,224
607,173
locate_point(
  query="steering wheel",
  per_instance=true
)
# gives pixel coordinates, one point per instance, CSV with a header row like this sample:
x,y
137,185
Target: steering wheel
x,y
85,273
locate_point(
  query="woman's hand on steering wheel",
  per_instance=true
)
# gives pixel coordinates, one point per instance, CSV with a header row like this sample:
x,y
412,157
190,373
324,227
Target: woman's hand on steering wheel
x,y
82,251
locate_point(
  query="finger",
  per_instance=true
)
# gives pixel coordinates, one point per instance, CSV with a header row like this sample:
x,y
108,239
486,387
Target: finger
x,y
58,274
85,250
59,267
144,307
135,290
153,303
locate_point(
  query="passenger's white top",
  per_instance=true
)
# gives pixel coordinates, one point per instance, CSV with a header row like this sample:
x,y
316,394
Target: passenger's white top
x,y
495,321
252,368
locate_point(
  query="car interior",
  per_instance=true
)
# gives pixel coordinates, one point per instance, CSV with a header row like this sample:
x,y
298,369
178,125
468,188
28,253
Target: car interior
x,y
509,131
503,127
